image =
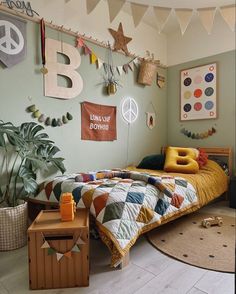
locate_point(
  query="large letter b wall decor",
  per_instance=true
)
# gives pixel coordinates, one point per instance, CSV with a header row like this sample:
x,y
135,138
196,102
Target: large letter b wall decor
x,y
55,69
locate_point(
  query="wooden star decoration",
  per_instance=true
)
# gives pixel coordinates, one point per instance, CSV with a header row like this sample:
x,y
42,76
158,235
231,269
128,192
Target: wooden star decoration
x,y
121,41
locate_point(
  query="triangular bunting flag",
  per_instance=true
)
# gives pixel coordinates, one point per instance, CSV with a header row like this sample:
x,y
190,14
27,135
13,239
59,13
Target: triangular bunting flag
x,y
80,241
114,7
105,65
99,63
125,68
91,4
162,15
136,62
228,13
138,11
67,254
59,256
131,66
80,42
183,16
112,69
45,245
207,16
75,248
119,70
51,251
93,58
87,50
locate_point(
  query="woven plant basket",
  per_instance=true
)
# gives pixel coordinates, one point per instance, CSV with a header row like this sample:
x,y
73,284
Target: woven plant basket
x,y
147,72
13,227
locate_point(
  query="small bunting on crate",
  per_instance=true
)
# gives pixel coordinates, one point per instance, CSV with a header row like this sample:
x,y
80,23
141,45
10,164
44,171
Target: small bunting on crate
x,y
197,136
52,251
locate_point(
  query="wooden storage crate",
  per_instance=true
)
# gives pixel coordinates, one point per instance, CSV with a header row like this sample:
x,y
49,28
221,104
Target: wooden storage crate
x,y
45,272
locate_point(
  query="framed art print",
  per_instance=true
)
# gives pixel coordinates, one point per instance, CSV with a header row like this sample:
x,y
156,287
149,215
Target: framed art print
x,y
198,92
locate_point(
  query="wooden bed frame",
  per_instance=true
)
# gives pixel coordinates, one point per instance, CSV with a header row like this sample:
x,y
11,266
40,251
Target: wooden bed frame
x,y
224,153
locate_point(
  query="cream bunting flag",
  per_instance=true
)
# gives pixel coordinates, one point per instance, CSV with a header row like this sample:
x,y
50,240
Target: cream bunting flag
x,y
80,241
99,63
138,11
207,16
91,4
119,70
59,256
183,16
162,15
125,68
114,7
228,13
45,245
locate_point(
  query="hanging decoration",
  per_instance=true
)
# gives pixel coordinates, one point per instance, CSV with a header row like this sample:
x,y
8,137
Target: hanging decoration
x,y
138,11
151,120
47,120
148,69
13,40
95,59
114,7
228,13
202,135
160,81
98,122
91,4
129,110
162,15
42,35
121,41
183,16
59,255
207,16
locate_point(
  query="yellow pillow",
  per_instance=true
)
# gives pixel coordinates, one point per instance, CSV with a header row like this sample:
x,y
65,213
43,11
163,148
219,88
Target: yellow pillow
x,y
181,160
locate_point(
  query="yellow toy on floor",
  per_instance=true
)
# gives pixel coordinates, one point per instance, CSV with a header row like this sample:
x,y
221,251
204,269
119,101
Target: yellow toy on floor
x,y
181,160
67,207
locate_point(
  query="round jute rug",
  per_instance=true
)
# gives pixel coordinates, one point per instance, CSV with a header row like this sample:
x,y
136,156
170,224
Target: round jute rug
x,y
187,240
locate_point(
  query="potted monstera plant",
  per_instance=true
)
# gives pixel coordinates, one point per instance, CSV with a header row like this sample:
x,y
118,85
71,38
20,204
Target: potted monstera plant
x,y
24,150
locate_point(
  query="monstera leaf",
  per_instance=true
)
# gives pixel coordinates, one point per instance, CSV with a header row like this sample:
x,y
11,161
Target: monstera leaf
x,y
29,179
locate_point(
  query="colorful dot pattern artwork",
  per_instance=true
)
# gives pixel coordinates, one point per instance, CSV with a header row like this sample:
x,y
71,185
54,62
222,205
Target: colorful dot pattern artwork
x,y
198,93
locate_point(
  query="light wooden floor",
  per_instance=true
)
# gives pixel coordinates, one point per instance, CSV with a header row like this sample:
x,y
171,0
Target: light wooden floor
x,y
149,272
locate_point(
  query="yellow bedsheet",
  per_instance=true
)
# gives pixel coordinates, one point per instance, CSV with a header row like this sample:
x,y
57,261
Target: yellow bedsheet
x,y
210,182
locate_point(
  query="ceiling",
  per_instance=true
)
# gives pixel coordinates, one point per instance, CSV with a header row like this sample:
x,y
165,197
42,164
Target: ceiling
x,y
172,23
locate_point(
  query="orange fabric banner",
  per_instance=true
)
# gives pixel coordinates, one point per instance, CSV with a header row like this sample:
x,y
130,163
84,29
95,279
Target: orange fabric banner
x,y
98,122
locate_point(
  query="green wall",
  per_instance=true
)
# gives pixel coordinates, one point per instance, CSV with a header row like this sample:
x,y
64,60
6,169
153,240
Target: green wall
x,y
22,86
224,124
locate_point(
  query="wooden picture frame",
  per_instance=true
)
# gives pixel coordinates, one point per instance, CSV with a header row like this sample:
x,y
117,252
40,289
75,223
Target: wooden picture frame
x,y
198,92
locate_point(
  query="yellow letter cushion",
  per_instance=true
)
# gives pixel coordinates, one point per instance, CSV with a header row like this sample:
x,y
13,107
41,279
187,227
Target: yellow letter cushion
x,y
181,160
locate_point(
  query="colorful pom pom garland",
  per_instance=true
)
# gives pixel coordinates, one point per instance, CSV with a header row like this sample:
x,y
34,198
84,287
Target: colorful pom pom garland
x,y
198,136
43,118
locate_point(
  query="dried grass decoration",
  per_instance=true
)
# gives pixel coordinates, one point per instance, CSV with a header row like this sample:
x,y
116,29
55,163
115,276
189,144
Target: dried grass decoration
x,y
148,70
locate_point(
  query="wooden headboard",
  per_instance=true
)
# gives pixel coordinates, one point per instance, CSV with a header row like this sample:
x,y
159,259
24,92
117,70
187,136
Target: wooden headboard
x,y
224,152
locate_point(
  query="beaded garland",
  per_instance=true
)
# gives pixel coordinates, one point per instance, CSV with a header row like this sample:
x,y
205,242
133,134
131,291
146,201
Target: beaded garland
x,y
197,136
47,120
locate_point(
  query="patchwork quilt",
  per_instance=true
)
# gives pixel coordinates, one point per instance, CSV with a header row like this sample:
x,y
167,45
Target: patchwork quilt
x,y
124,203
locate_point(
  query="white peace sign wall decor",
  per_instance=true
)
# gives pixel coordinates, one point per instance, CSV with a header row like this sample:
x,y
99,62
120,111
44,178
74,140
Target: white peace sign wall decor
x,y
129,110
12,40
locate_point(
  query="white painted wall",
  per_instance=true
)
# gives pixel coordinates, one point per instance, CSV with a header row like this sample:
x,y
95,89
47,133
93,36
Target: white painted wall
x,y
74,15
196,43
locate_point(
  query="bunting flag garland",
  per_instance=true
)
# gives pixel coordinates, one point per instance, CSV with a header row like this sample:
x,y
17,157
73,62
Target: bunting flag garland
x,y
228,13
94,59
43,118
91,4
184,17
114,7
59,255
202,135
162,15
138,11
207,16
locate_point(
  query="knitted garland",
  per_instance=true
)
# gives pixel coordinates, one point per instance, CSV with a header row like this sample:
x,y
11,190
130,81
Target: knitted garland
x,y
43,118
197,136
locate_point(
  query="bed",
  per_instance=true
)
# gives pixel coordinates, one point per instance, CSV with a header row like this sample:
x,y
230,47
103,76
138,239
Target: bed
x,y
129,202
